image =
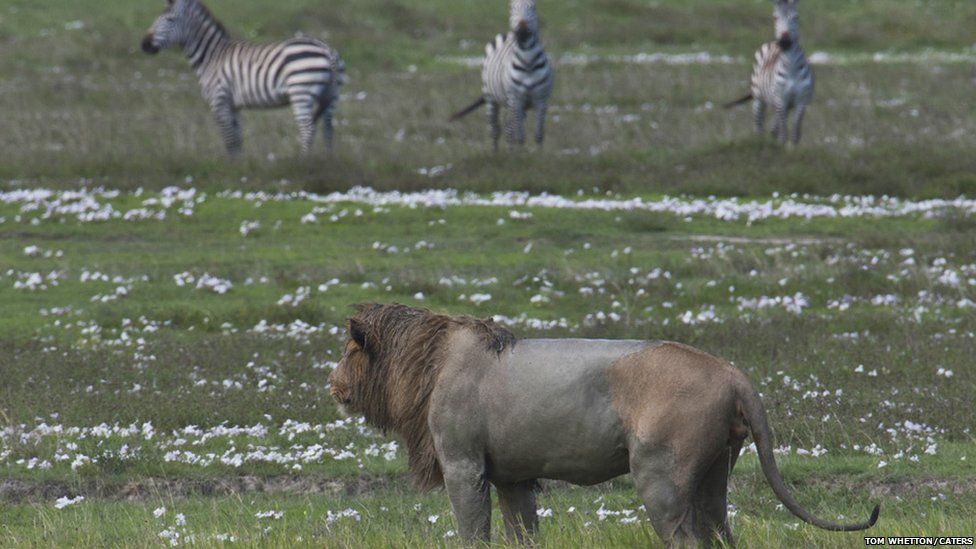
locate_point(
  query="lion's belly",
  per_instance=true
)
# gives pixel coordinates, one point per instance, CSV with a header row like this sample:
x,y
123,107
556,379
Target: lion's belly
x,y
551,414
580,464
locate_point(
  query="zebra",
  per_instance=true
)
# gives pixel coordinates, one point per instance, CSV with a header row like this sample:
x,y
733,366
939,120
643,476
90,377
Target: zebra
x,y
304,72
781,75
516,73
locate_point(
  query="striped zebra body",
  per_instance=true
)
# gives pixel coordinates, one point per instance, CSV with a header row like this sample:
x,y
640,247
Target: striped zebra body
x,y
302,72
516,74
781,77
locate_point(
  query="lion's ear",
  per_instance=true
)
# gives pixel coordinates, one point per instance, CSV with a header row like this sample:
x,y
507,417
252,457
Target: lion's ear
x,y
357,331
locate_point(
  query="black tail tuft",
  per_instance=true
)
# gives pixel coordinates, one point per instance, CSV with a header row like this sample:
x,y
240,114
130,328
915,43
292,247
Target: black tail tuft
x,y
467,110
738,102
874,515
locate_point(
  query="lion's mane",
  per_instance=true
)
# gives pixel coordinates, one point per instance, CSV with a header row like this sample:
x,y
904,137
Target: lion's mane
x,y
405,349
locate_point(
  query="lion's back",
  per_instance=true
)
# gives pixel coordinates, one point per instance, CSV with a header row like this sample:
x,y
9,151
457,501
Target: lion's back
x,y
669,382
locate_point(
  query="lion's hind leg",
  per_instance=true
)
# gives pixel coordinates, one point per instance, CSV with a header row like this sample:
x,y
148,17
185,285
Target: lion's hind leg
x,y
517,502
711,499
682,487
667,499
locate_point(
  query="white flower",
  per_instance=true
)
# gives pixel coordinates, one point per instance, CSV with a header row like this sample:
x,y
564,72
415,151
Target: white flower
x,y
159,511
65,501
248,227
171,535
275,515
478,299
331,517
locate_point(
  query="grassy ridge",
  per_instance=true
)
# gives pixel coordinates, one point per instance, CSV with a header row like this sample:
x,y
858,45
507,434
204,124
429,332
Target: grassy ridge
x,y
395,33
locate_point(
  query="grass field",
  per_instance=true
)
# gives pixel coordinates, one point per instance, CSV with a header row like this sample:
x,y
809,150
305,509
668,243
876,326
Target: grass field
x,y
86,103
170,317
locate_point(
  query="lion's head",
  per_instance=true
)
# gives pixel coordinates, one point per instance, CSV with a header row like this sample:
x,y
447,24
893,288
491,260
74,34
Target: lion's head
x,y
389,368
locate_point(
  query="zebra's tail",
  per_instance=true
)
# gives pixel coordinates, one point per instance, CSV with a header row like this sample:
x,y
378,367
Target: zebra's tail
x,y
738,102
467,110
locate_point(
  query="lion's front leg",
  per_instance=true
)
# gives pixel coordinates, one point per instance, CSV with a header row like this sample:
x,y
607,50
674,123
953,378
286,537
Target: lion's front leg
x,y
517,502
470,498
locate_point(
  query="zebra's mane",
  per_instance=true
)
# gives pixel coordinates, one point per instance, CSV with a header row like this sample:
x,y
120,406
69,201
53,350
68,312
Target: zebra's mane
x,y
204,13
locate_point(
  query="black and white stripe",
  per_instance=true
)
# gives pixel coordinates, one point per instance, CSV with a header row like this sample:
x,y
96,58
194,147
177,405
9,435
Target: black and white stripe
x,y
781,76
305,73
517,74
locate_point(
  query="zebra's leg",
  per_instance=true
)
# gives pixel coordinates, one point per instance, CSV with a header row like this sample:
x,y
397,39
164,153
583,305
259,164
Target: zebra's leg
x,y
327,127
516,125
496,128
519,125
229,125
779,129
326,112
759,114
303,108
540,123
798,122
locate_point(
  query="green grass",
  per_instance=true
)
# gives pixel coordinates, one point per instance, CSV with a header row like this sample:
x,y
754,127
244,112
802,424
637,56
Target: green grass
x,y
398,517
87,105
204,364
134,400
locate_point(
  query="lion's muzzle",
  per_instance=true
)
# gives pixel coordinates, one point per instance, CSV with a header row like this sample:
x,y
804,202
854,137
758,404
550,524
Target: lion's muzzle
x,y
342,400
341,397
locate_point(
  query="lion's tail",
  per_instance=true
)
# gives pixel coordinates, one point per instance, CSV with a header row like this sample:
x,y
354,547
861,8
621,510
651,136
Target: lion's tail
x,y
752,409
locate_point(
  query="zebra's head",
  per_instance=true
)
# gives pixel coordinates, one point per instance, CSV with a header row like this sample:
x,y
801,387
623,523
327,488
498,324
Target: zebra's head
x,y
787,22
170,28
523,20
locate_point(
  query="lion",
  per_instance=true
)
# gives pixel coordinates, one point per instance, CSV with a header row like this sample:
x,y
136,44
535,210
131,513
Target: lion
x,y
475,407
